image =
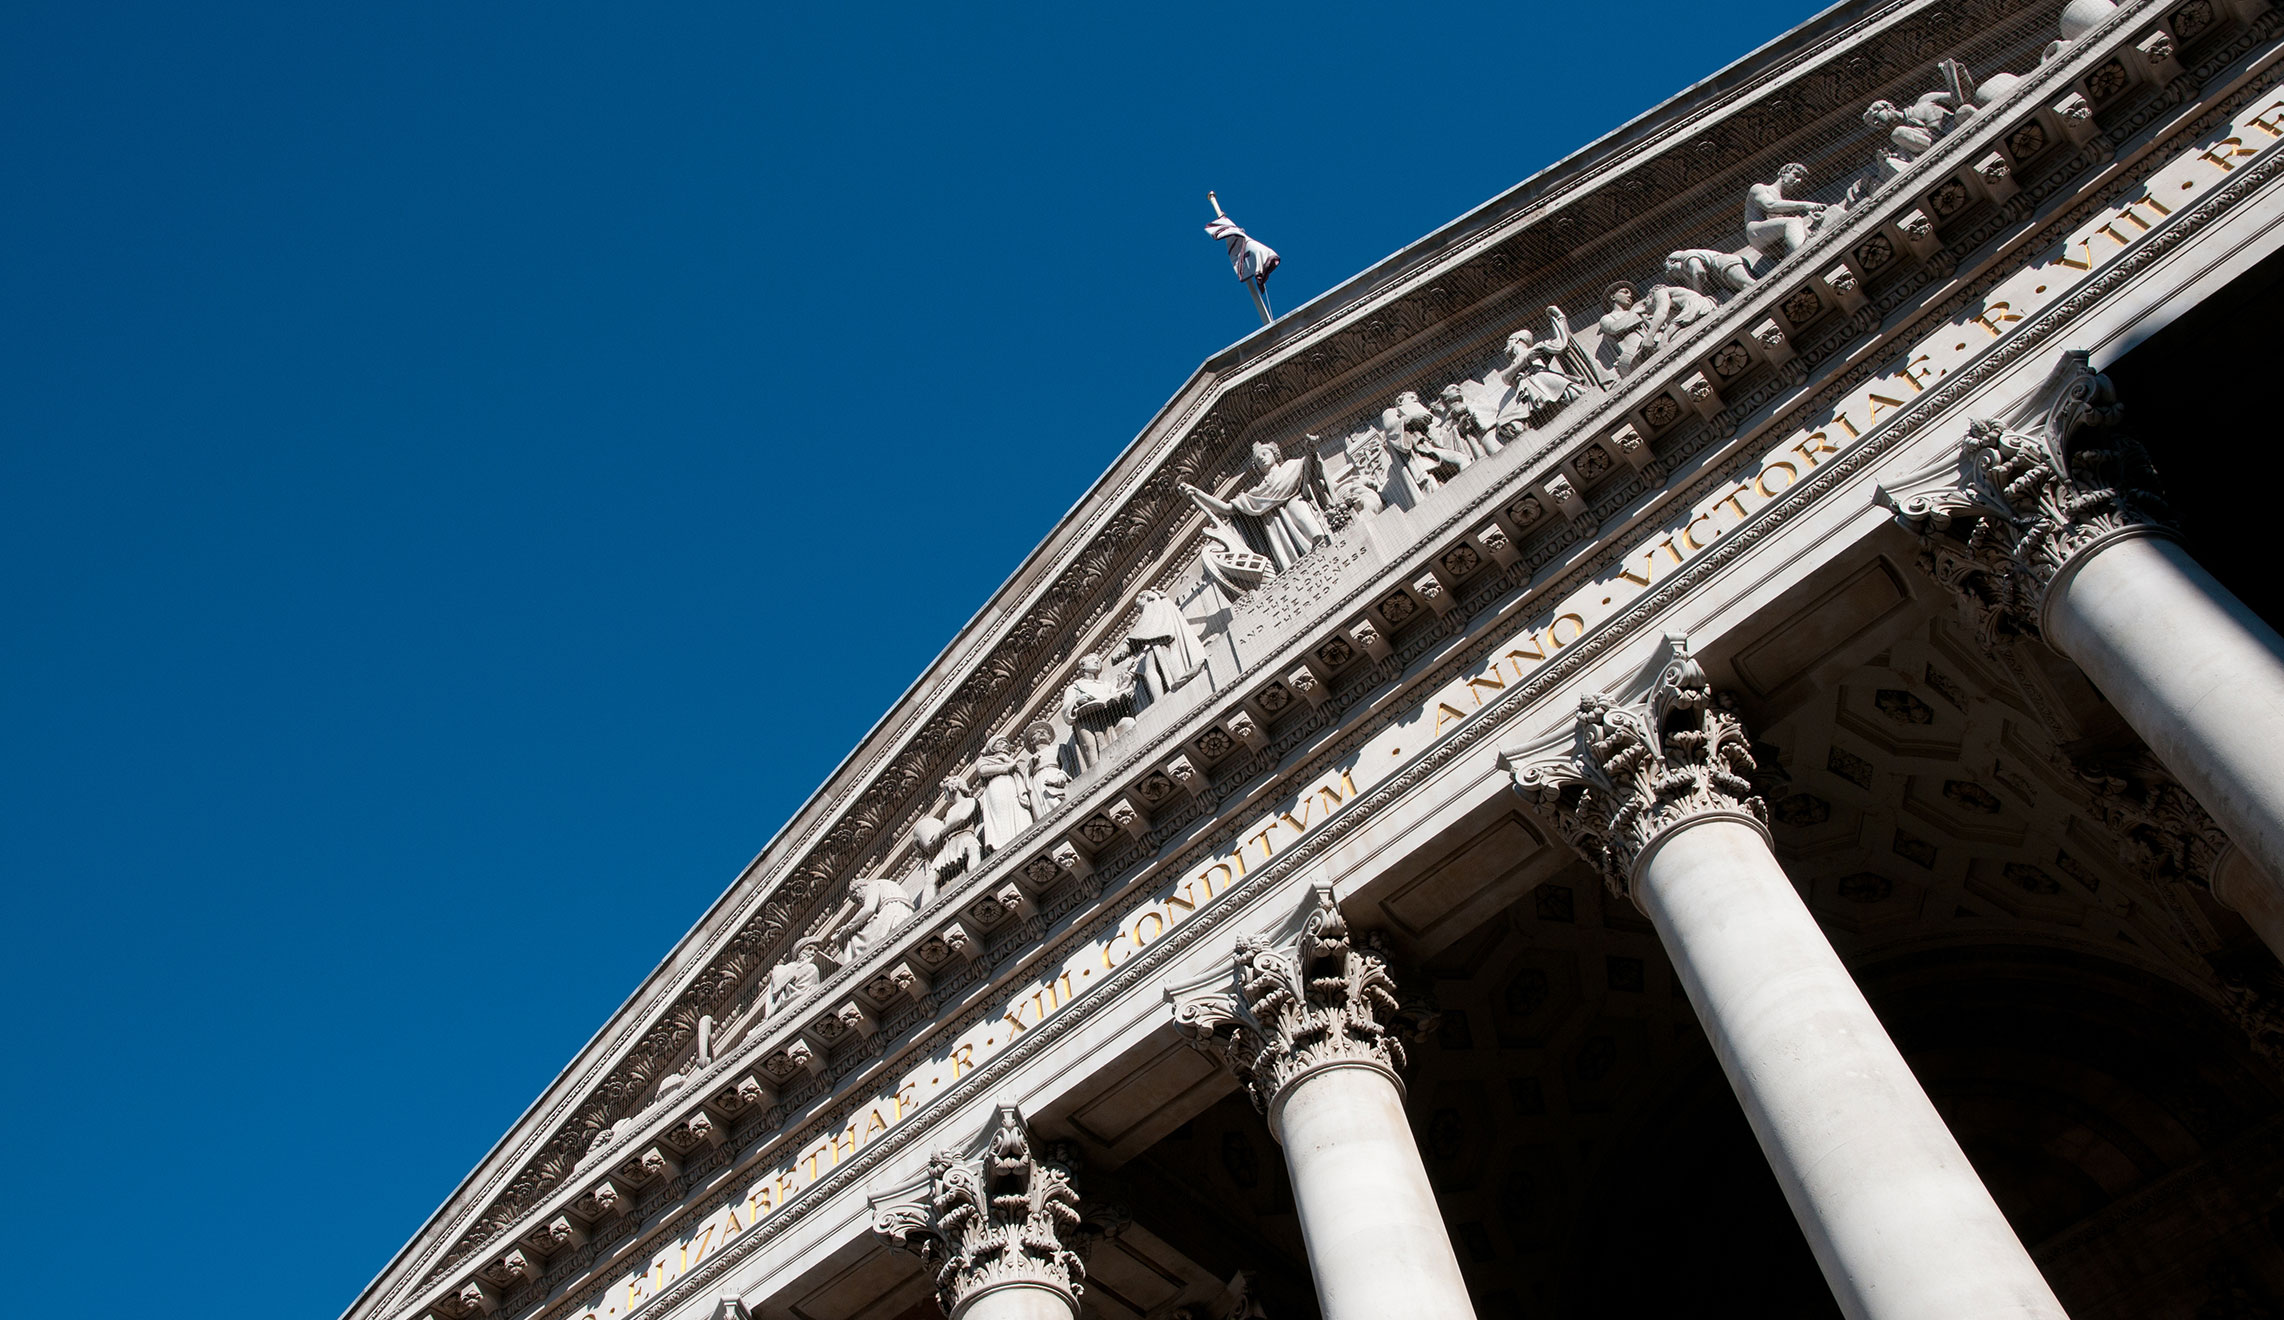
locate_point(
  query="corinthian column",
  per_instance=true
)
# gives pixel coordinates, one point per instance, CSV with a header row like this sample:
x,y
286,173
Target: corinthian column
x,y
993,1221
1651,785
1304,1019
2048,523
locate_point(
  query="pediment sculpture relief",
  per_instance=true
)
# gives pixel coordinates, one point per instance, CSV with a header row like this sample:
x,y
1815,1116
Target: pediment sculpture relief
x,y
794,979
1275,519
1540,374
1287,507
877,907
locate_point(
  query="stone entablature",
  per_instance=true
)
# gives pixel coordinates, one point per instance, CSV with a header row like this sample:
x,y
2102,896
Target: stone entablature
x,y
1363,625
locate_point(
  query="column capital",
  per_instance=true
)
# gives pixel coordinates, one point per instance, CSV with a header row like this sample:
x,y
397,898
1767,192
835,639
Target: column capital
x,y
1293,1001
2162,831
1635,765
1000,1214
2027,496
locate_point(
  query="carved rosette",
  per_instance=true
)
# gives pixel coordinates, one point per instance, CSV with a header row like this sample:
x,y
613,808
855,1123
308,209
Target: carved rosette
x,y
996,1217
1629,770
2027,495
1295,1001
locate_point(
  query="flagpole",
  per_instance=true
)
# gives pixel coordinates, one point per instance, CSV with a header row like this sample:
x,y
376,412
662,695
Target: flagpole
x,y
1260,304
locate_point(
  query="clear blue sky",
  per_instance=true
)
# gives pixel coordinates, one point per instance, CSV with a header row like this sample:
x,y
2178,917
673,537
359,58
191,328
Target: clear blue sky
x,y
471,470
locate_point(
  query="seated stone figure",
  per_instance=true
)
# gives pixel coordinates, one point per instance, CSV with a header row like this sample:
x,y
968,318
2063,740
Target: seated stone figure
x,y
1775,224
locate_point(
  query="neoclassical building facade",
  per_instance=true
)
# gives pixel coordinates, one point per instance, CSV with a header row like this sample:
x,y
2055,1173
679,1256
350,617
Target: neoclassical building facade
x,y
1681,746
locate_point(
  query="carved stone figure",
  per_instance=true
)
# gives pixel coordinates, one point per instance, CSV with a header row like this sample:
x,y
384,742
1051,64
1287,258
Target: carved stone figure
x,y
947,838
1912,131
1002,793
1673,309
1461,428
793,980
1706,271
1370,466
1278,502
1044,767
1358,497
1164,648
877,908
1539,383
1411,432
996,1218
1625,327
1094,707
1775,224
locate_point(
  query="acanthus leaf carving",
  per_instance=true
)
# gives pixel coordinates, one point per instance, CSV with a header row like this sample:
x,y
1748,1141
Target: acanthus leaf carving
x,y
995,1216
1308,996
2026,494
1633,765
2161,830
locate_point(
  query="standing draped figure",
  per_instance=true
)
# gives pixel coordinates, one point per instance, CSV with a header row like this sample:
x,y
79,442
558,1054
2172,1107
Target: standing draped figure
x,y
1003,793
1092,706
1460,428
1043,767
1164,651
1279,501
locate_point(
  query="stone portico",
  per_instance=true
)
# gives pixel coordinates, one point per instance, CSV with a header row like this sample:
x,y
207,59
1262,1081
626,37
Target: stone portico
x,y
1671,746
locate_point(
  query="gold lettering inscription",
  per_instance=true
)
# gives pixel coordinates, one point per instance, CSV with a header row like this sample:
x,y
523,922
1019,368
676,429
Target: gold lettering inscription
x,y
1997,314
1816,443
2228,149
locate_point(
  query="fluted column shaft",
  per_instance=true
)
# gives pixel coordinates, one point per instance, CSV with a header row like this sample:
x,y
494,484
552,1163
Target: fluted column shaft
x,y
1894,1212
1305,1019
2200,677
